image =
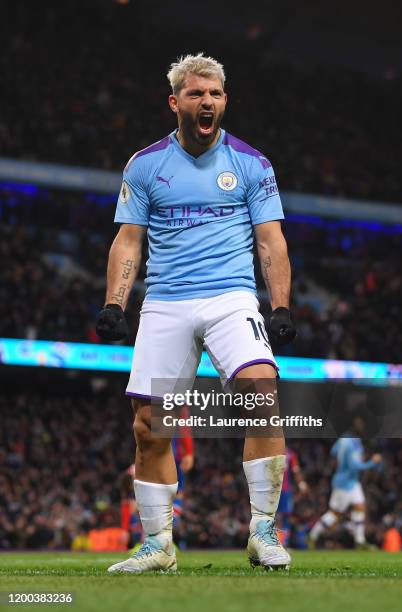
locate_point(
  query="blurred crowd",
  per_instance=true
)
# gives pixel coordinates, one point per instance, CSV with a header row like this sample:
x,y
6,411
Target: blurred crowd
x,y
63,456
60,459
346,295
325,130
347,290
217,507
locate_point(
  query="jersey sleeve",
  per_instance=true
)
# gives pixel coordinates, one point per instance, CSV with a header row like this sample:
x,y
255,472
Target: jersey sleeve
x,y
264,202
334,449
357,463
133,204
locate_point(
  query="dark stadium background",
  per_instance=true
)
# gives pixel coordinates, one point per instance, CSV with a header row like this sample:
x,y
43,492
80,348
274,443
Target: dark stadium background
x,y
317,88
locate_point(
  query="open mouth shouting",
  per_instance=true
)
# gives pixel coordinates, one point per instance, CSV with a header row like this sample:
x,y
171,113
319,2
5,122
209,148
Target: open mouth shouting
x,y
206,123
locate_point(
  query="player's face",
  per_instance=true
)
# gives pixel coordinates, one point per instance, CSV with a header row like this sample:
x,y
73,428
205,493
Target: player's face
x,y
199,106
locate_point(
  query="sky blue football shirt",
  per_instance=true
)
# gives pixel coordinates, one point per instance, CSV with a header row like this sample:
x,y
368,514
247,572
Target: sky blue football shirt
x,y
349,454
199,213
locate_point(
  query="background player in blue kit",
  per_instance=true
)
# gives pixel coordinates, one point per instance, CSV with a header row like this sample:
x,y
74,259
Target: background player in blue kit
x,y
201,195
347,491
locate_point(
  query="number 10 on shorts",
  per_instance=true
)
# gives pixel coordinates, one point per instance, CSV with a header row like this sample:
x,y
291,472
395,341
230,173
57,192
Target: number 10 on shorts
x,y
259,330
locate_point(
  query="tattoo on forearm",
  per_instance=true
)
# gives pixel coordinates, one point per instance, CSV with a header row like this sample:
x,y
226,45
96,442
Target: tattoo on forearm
x,y
128,268
119,296
265,265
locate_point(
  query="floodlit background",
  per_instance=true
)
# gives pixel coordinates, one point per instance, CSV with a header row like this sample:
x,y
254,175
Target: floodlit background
x,y
317,88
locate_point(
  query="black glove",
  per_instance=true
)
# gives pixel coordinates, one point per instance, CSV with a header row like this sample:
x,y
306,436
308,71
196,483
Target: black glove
x,y
111,323
280,327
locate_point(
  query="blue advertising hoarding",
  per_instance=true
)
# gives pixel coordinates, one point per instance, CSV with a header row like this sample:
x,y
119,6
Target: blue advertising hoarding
x,y
100,357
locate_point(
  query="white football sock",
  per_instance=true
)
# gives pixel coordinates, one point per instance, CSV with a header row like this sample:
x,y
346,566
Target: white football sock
x,y
155,507
325,522
264,477
358,523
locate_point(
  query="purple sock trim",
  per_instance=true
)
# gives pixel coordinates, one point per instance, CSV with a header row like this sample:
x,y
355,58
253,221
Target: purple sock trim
x,y
249,363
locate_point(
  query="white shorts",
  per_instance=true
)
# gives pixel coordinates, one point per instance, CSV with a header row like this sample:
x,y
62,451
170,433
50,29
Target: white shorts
x,y
341,499
172,335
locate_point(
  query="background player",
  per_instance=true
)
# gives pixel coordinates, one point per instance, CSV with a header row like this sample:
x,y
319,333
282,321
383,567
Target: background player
x,y
129,518
183,451
347,492
292,475
200,192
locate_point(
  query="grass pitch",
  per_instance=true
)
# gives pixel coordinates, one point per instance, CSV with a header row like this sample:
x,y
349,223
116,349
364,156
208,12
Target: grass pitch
x,y
209,581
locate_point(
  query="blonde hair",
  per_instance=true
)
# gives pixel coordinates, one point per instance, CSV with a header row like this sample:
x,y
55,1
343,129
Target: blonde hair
x,y
194,64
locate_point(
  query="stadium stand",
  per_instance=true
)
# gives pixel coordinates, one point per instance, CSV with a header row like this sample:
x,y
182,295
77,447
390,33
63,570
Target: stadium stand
x,y
55,271
326,130
64,449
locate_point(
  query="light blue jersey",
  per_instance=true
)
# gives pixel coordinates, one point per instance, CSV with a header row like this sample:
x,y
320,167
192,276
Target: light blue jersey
x,y
349,455
199,213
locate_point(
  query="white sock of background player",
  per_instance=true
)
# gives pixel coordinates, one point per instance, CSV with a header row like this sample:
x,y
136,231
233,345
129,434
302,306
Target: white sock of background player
x,y
325,522
358,526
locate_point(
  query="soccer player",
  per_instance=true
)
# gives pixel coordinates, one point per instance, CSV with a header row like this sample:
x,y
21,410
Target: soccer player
x,y
200,194
130,521
347,492
183,452
292,475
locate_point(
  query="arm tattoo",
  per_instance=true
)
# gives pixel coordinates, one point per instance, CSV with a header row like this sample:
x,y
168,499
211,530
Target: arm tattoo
x,y
119,296
265,265
128,267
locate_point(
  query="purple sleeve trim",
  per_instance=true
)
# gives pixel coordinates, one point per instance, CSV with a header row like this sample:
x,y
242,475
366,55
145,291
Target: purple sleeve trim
x,y
152,398
242,147
249,363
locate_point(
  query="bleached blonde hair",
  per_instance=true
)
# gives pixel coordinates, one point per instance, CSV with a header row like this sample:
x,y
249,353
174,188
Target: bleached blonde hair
x,y
194,64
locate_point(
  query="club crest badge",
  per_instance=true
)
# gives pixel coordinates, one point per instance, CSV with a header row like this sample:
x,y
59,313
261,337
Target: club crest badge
x,y
227,181
124,195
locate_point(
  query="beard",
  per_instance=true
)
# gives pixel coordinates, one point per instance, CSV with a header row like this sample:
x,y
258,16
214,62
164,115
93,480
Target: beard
x,y
193,131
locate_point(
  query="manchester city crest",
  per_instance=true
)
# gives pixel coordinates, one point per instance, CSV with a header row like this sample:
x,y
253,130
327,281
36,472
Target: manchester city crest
x,y
227,181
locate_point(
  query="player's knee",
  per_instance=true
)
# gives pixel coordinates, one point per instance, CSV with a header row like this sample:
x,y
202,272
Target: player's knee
x,y
146,440
142,429
142,420
329,519
357,516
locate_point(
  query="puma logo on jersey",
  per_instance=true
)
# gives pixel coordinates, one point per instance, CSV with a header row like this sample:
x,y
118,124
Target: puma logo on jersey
x,y
163,180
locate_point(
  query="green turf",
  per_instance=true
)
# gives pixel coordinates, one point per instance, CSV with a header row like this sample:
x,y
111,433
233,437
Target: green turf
x,y
317,582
